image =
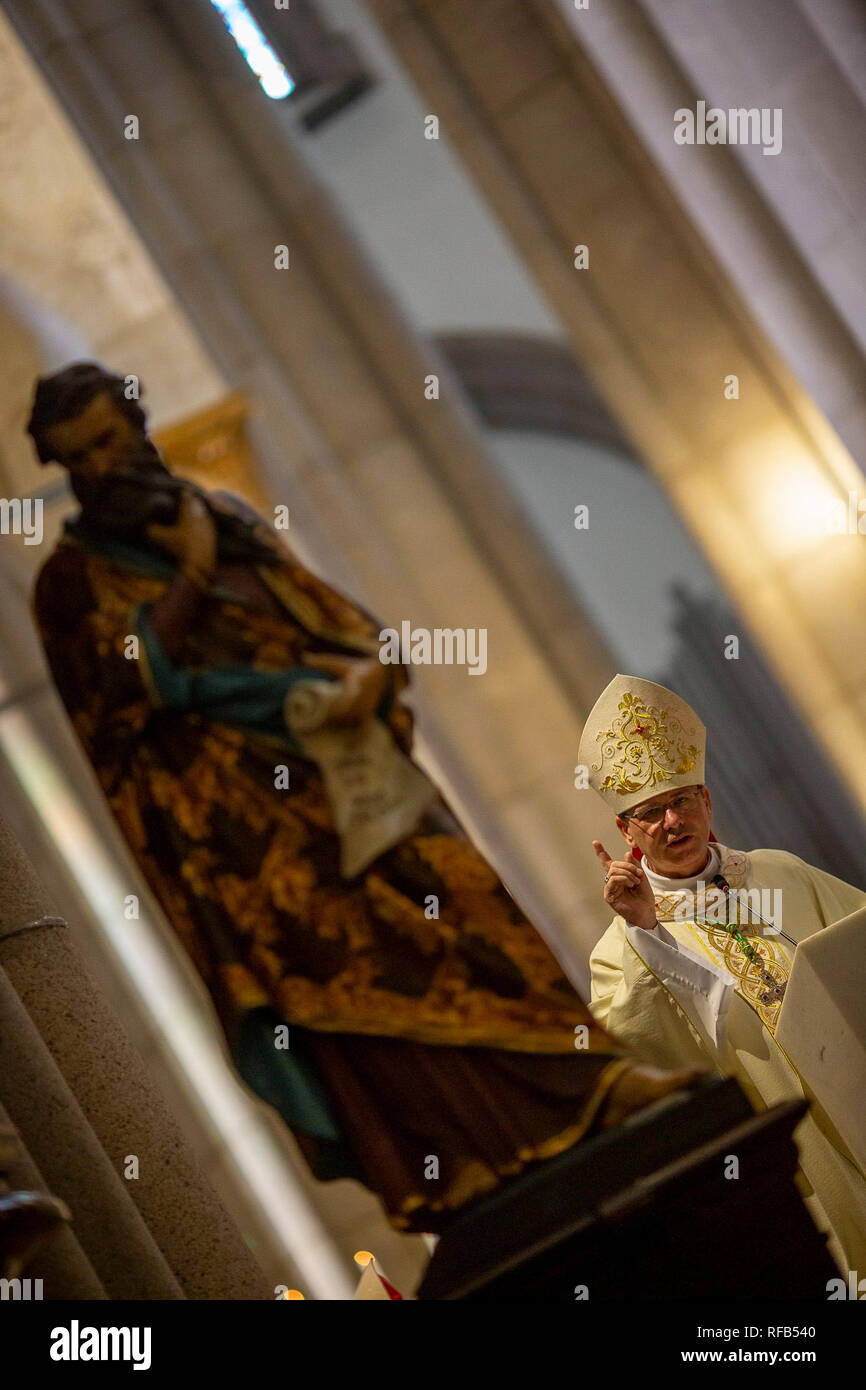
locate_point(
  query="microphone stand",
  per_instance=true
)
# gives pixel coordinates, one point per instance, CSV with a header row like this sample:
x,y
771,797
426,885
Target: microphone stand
x,y
722,883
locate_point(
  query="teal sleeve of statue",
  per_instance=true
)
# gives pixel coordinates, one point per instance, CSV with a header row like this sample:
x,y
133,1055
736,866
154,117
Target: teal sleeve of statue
x,y
282,1076
236,695
171,683
287,1079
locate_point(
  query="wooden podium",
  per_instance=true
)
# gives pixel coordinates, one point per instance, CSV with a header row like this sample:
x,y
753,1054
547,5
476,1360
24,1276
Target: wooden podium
x,y
822,1025
646,1211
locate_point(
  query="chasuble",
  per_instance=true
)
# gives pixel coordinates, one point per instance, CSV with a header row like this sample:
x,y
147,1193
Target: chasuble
x,y
688,991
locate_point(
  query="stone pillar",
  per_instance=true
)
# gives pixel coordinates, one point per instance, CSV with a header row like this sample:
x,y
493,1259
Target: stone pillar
x,y
60,1262
81,1097
45,1111
785,226
522,97
842,28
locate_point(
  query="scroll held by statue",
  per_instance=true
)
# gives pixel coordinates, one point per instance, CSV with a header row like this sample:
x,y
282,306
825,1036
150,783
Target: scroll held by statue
x,y
377,795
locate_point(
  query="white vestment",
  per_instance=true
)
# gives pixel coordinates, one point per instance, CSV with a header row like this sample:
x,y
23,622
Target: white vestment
x,y
687,992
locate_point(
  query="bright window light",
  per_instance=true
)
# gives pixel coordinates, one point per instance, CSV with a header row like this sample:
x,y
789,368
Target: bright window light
x,y
274,79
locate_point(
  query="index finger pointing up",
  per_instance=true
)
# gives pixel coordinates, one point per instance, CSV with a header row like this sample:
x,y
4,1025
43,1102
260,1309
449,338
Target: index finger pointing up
x,y
601,853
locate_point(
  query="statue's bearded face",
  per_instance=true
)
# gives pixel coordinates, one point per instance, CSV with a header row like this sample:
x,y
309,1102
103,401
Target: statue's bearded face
x,y
98,440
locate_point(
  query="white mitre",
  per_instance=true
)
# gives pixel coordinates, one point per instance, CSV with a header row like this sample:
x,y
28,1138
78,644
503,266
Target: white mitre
x,y
640,739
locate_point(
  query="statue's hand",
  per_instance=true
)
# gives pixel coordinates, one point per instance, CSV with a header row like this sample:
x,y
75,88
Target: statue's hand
x,y
363,679
192,538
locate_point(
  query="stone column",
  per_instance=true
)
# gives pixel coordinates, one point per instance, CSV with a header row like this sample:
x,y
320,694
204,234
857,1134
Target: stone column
x,y
82,1098
523,99
106,1221
60,1262
786,226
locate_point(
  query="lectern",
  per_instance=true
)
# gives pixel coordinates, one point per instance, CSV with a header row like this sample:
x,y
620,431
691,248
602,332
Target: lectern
x,y
822,1024
691,1198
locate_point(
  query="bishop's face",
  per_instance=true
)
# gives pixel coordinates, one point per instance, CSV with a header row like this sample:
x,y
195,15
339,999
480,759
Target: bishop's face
x,y
97,441
676,842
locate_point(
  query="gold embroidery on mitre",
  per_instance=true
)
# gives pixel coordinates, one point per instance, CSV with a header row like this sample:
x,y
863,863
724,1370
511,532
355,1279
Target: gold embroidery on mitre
x,y
646,745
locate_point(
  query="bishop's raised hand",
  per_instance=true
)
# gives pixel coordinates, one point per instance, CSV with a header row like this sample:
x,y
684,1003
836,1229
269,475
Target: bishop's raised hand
x,y
627,889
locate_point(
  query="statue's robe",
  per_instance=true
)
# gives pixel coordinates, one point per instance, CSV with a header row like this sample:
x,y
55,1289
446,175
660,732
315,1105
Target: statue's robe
x,y
430,1056
674,1007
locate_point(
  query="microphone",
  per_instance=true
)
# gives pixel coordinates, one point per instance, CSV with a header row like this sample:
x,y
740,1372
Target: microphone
x,y
725,887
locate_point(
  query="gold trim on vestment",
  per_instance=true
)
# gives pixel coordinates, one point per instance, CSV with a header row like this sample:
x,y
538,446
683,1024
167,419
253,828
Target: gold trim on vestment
x,y
729,954
739,967
519,1039
475,1178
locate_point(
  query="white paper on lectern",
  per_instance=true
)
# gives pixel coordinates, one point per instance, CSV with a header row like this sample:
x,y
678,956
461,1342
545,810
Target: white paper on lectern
x,y
822,1024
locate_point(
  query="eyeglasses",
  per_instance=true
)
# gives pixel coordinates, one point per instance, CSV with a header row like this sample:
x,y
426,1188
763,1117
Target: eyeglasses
x,y
654,815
